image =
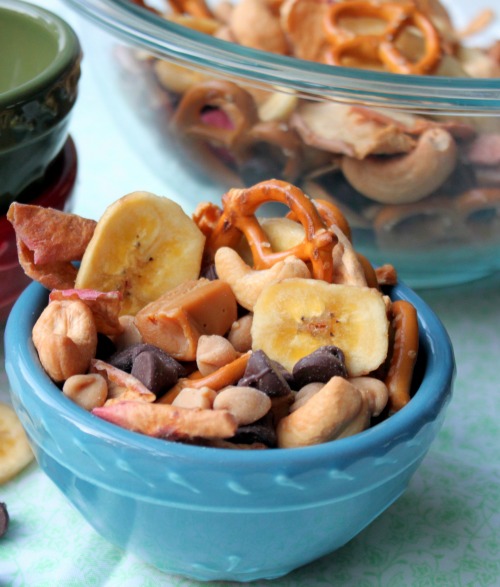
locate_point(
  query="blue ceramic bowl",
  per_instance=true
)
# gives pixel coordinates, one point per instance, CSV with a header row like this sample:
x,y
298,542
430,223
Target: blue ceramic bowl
x,y
210,513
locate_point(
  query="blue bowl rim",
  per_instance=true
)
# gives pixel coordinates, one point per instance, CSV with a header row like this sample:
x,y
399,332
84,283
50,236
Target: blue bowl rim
x,y
425,94
431,398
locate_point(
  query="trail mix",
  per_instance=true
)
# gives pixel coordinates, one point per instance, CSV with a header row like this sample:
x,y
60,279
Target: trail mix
x,y
402,179
221,329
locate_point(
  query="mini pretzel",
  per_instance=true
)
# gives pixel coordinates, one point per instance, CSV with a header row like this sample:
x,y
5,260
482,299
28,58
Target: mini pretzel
x,y
371,275
331,215
206,215
236,103
239,206
404,354
242,132
381,47
386,274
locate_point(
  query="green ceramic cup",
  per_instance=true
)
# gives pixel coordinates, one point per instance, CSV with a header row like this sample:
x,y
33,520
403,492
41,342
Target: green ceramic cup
x,y
39,73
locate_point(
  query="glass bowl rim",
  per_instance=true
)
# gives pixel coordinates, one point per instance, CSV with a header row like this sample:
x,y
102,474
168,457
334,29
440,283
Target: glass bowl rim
x,y
184,46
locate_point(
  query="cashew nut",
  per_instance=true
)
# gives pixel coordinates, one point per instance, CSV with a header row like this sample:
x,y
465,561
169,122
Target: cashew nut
x,y
278,106
247,283
337,410
402,179
347,266
374,390
305,394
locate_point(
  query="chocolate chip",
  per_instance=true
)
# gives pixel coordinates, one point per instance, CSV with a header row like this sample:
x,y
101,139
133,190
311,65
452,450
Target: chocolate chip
x,y
266,375
261,431
321,365
124,359
209,272
4,519
105,347
156,373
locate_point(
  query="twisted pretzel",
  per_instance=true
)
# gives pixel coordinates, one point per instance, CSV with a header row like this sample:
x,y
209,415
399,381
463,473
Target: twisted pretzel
x,y
331,215
237,126
404,354
236,103
381,47
238,216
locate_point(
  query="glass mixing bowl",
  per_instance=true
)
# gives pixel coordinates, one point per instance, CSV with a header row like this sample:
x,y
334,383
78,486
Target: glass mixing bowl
x,y
412,161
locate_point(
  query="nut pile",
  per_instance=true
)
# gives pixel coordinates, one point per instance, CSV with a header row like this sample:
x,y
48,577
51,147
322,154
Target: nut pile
x,y
224,329
402,179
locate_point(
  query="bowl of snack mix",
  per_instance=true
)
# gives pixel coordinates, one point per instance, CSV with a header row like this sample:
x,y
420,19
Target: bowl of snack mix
x,y
389,109
38,88
226,396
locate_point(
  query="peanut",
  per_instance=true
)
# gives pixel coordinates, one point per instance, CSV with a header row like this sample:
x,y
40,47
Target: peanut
x,y
246,404
89,390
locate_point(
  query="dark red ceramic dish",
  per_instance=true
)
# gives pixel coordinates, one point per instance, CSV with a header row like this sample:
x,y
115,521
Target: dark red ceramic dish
x,y
53,191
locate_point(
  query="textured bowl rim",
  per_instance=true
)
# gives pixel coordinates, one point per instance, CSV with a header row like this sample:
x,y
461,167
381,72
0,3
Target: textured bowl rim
x,y
68,52
433,395
427,94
